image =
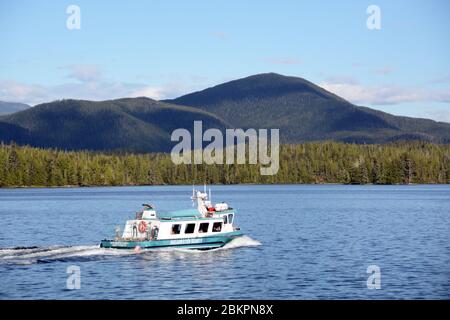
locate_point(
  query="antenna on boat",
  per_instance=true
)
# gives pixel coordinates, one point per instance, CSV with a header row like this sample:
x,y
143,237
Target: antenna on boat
x,y
209,198
193,194
204,188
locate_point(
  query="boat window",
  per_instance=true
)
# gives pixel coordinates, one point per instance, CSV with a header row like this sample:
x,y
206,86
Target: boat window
x,y
190,227
203,227
230,218
176,228
225,219
217,226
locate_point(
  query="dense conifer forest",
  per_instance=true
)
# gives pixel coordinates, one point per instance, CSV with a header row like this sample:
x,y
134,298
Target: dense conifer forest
x,y
324,162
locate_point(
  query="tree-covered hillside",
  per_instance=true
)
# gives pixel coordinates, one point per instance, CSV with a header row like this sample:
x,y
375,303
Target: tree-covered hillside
x,y
131,124
304,111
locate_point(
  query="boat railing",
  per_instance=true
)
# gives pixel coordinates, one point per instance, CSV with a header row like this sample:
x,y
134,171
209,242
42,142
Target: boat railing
x,y
178,218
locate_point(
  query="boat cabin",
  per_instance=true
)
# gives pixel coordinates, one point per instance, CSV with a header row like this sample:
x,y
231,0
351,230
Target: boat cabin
x,y
205,221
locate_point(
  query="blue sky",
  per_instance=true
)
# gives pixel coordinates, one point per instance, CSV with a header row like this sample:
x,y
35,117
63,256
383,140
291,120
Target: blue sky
x,y
163,49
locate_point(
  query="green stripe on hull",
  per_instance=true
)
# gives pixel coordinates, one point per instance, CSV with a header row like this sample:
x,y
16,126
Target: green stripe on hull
x,y
209,242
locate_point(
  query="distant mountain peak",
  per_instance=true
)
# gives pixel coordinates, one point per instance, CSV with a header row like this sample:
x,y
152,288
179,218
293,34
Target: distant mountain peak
x,y
303,111
11,107
263,85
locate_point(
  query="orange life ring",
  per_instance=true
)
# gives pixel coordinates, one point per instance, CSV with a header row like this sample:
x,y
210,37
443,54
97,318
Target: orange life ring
x,y
142,226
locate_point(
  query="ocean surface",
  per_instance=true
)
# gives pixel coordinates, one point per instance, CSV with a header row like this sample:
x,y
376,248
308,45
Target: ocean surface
x,y
302,242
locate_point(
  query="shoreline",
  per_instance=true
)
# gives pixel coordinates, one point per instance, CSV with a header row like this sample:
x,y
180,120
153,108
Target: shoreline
x,y
221,184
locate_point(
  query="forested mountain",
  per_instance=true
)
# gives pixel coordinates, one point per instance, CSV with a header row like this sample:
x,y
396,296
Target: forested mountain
x,y
11,107
304,111
300,109
131,124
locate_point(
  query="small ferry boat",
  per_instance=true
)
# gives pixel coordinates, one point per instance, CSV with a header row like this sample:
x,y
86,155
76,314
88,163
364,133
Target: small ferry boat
x,y
207,227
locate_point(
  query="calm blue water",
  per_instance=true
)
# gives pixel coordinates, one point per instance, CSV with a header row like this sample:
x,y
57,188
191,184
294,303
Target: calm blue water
x,y
304,242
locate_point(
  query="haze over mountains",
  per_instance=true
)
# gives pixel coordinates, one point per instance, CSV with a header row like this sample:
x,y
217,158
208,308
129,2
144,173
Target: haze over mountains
x,y
11,107
300,109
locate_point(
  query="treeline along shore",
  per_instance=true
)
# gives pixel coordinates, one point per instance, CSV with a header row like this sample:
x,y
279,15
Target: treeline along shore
x,y
324,162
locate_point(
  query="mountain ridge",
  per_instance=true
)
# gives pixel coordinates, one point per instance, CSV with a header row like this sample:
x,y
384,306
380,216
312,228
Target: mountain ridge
x,y
129,124
301,110
306,112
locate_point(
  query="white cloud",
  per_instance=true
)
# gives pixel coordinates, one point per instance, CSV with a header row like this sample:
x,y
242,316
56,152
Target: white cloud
x,y
384,94
85,72
34,94
167,91
440,115
13,91
156,93
91,84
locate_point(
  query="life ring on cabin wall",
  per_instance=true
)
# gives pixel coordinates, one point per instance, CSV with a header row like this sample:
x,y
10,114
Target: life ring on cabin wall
x,y
142,226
